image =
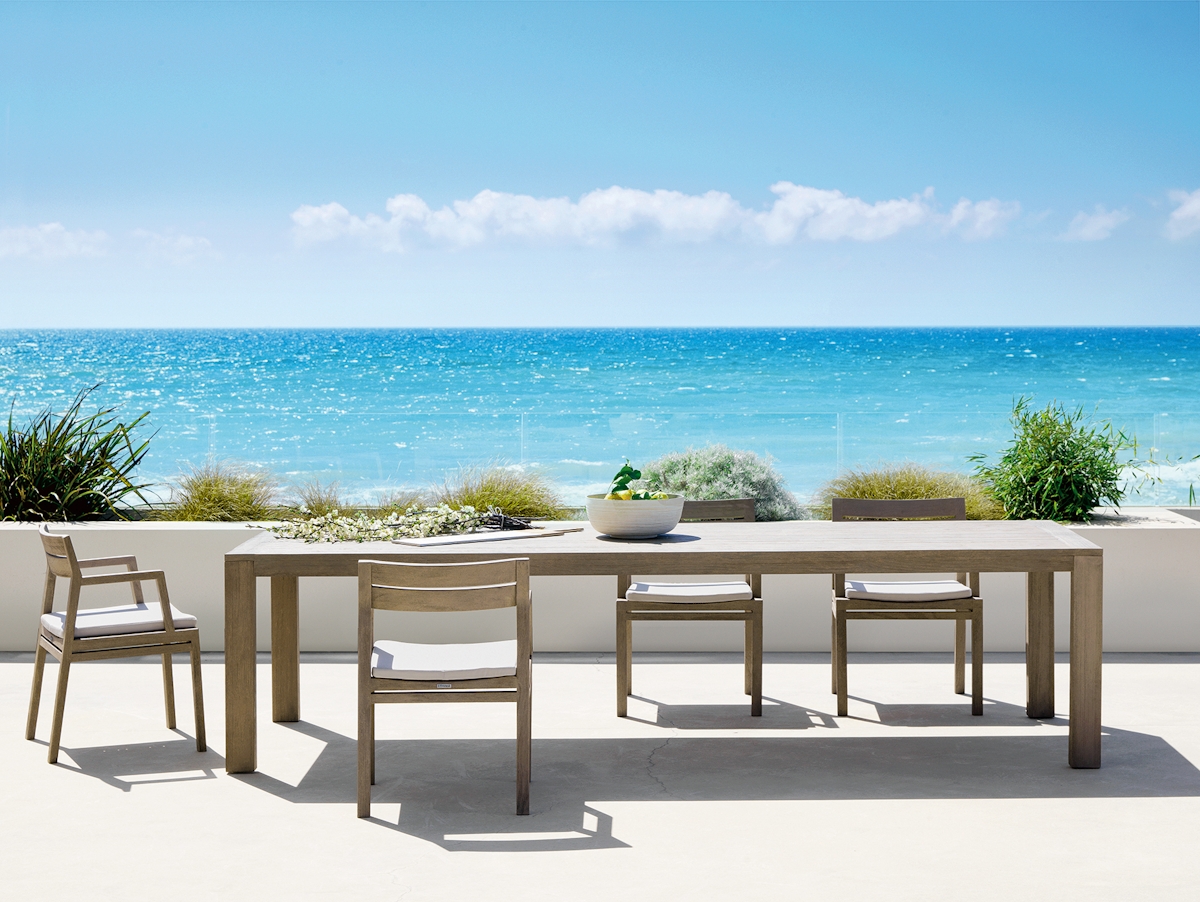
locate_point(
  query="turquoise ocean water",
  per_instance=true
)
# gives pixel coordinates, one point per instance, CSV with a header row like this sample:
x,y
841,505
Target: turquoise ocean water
x,y
377,409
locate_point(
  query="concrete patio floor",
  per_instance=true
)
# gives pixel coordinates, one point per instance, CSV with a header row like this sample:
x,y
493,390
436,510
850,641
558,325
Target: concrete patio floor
x,y
909,798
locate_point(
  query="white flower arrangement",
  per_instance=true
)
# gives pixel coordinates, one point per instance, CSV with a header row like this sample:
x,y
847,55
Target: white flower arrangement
x,y
416,522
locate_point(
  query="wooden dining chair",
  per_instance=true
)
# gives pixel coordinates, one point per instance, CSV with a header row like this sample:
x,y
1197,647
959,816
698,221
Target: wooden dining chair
x,y
391,672
956,600
694,601
122,631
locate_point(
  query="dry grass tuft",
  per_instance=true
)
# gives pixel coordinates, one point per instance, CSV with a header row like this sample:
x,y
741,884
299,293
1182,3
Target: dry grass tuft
x,y
516,493
221,491
909,480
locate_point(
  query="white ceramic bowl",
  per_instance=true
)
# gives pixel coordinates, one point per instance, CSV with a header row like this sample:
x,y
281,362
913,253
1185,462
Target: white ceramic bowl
x,y
634,519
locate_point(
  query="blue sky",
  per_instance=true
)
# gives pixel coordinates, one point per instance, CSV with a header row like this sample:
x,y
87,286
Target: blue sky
x,y
596,164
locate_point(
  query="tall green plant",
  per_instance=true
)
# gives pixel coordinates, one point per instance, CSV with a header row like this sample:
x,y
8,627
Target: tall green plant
x,y
72,466
1058,466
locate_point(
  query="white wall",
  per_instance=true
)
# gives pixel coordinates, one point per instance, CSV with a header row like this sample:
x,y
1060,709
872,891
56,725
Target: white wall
x,y
1151,599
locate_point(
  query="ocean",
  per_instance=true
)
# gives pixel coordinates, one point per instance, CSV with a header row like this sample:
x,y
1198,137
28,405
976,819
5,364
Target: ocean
x,y
382,409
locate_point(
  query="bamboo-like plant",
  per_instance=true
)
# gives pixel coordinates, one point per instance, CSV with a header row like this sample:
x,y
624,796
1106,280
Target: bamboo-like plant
x,y
69,466
1058,466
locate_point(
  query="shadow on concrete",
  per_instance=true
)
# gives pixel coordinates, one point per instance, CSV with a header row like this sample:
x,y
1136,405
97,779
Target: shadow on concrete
x,y
128,765
777,715
460,794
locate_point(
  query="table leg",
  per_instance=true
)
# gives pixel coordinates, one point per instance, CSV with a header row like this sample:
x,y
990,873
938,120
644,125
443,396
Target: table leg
x,y
1039,644
285,648
241,725
1087,643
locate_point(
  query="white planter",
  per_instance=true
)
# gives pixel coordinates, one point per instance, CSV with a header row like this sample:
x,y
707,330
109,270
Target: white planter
x,y
643,519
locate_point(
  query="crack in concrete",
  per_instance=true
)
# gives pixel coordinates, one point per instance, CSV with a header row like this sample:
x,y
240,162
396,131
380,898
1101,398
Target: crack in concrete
x,y
650,768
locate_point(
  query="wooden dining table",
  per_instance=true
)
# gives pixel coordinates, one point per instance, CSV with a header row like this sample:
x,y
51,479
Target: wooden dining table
x,y
1036,548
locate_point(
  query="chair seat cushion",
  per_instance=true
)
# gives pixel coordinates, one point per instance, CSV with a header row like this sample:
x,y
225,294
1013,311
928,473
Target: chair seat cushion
x,y
689,593
468,661
116,621
915,590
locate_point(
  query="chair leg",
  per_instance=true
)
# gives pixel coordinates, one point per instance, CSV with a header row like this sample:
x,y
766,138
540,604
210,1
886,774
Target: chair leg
x,y
624,663
60,702
198,697
169,689
833,652
977,660
524,746
366,743
843,701
960,652
754,654
35,694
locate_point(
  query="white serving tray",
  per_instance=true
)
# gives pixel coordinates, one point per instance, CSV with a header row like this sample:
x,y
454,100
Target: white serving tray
x,y
493,535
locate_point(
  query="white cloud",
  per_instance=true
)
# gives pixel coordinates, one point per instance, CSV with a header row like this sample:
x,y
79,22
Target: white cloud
x,y
1094,226
830,215
608,214
1185,218
50,240
982,219
178,249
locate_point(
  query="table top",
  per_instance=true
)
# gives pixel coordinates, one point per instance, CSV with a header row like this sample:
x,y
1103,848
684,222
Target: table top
x,y
794,546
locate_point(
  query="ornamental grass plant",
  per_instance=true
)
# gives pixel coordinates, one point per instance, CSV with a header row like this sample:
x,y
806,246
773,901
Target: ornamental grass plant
x,y
223,492
69,466
905,481
717,472
319,499
515,492
1058,466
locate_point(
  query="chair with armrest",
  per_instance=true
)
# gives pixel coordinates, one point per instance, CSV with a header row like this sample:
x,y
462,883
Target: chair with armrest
x,y
956,600
694,601
122,631
397,672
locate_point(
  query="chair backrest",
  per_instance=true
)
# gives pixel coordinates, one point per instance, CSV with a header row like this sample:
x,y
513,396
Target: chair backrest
x,y
478,586
738,510
894,509
60,553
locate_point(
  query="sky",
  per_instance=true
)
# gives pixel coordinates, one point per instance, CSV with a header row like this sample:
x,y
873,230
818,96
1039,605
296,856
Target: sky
x,y
577,164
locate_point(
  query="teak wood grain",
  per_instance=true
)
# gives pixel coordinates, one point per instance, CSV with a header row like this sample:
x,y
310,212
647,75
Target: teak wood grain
x,y
794,547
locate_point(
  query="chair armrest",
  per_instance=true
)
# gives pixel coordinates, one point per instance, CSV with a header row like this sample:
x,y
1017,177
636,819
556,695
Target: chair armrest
x,y
127,559
129,576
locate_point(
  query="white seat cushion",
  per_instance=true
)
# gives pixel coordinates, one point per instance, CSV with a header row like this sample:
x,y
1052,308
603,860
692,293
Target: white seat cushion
x,y
689,593
469,661
922,590
116,621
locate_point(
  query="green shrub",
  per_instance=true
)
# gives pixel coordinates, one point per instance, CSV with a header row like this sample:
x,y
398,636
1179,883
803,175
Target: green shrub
x,y
1058,466
69,467
514,492
222,492
716,472
907,481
